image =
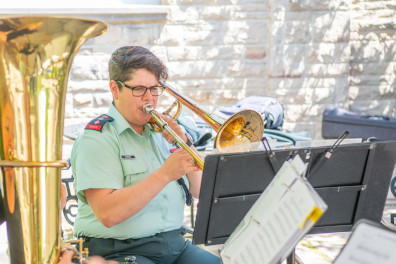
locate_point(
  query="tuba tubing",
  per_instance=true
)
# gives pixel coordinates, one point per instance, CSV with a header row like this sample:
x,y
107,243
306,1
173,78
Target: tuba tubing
x,y
36,53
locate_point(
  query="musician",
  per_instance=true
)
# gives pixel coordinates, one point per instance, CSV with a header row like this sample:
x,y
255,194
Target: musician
x,y
130,203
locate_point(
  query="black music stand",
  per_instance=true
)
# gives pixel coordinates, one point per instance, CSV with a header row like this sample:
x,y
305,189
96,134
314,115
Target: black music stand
x,y
353,181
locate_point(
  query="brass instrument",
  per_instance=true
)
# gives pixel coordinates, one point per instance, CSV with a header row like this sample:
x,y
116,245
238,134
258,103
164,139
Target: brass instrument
x,y
149,109
35,59
241,128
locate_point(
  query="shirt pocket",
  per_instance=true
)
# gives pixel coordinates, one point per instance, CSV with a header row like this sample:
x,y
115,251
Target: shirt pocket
x,y
134,171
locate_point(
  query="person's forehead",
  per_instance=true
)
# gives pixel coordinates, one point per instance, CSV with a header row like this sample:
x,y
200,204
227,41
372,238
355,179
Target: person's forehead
x,y
142,77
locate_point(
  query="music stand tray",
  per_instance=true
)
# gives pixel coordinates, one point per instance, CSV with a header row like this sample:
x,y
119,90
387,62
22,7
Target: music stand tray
x,y
353,182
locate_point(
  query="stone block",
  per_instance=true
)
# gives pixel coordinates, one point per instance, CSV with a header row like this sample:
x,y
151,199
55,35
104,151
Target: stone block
x,y
244,32
287,61
329,52
89,112
376,68
386,107
341,90
245,68
330,26
293,96
363,92
112,36
102,99
311,5
255,52
372,80
323,96
220,52
83,99
140,34
228,97
88,86
288,15
290,31
328,70
197,69
186,14
89,68
172,35
69,106
373,51
257,92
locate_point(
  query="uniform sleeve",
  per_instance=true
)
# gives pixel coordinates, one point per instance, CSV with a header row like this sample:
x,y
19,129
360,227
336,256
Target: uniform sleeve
x,y
95,161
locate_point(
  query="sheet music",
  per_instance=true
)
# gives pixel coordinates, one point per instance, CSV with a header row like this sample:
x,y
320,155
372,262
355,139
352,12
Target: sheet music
x,y
369,244
280,217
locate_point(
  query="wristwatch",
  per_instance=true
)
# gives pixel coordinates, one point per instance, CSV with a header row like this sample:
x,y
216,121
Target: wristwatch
x,y
190,140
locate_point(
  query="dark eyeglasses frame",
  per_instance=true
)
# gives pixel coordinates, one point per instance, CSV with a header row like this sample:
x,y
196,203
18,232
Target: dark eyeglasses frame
x,y
161,90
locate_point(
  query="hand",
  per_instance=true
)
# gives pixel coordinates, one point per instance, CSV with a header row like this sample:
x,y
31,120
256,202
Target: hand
x,y
175,127
63,195
68,255
100,260
178,164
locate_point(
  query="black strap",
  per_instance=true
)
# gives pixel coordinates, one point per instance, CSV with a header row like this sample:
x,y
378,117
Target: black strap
x,y
188,194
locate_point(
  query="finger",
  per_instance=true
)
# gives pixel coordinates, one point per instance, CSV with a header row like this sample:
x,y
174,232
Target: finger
x,y
96,260
165,133
166,118
67,257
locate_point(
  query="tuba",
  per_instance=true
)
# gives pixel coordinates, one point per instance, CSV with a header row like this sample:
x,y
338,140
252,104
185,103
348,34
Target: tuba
x,y
35,59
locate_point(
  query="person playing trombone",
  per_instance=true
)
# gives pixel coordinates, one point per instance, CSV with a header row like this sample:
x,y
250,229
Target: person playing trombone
x,y
129,200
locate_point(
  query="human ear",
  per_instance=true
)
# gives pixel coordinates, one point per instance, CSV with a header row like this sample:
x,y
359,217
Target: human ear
x,y
114,89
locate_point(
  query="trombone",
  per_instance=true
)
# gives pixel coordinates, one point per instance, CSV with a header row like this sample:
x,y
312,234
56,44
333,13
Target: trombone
x,y
243,127
149,109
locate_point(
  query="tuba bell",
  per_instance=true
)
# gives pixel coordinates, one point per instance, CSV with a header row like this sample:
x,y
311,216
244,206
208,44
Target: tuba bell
x,y
35,59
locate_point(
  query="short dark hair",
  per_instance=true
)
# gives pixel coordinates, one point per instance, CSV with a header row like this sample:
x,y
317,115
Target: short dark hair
x,y
127,60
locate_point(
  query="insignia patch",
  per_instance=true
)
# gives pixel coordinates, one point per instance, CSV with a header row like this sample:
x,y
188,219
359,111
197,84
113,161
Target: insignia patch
x,y
173,150
98,123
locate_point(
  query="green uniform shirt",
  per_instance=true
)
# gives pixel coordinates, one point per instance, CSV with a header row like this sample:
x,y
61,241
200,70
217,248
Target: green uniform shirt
x,y
117,157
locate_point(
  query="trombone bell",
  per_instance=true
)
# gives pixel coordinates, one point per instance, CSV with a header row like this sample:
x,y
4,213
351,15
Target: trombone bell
x,y
243,127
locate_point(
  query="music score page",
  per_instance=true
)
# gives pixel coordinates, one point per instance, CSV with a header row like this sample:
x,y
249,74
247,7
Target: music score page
x,y
285,211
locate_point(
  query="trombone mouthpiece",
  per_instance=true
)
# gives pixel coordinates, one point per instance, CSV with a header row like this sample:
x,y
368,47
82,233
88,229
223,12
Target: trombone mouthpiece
x,y
148,108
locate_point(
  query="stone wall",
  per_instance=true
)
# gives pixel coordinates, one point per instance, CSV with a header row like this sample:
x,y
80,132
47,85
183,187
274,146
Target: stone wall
x,y
309,54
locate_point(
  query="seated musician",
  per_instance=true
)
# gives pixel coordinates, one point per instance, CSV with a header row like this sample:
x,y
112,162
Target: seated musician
x,y
130,203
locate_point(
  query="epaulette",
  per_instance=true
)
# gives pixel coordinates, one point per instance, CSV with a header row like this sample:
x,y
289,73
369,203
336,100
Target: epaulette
x,y
98,123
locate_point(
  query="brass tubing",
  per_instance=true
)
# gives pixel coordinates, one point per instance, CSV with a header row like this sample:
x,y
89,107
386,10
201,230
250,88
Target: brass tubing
x,y
149,109
33,164
193,106
242,127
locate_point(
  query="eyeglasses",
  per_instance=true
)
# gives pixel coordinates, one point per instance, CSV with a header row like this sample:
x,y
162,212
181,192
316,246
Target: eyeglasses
x,y
141,90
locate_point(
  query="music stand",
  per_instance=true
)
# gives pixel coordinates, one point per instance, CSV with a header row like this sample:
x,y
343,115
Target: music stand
x,y
353,182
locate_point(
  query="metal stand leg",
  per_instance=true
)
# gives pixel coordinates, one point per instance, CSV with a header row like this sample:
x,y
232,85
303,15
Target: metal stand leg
x,y
291,258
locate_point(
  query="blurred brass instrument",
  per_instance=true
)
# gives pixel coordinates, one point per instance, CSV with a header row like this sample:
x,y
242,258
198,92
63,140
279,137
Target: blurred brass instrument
x,y
243,127
35,59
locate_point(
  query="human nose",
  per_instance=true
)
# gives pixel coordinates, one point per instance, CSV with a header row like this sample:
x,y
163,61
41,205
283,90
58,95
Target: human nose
x,y
147,94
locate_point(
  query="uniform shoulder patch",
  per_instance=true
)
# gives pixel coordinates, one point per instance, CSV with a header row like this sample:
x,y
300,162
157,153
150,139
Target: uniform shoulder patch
x,y
98,123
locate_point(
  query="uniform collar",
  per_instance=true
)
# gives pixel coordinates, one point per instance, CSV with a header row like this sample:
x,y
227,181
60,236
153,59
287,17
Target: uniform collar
x,y
121,124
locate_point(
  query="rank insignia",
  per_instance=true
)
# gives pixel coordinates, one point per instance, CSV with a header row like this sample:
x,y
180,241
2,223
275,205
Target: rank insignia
x,y
98,123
